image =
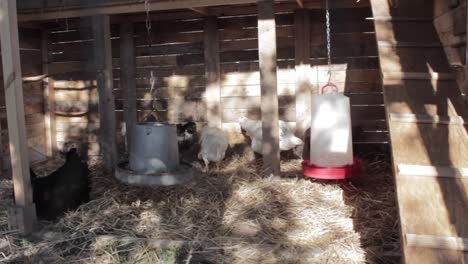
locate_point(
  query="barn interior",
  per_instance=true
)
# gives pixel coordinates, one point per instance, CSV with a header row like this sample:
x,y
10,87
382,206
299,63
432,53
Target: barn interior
x,y
83,72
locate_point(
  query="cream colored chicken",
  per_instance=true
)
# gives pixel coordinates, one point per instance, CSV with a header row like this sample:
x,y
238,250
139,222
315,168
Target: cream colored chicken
x,y
253,129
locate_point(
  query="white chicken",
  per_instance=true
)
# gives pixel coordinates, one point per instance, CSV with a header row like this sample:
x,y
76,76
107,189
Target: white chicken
x,y
253,129
214,144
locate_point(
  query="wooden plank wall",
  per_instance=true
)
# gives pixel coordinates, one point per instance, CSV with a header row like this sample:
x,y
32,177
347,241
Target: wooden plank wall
x,y
176,59
30,48
450,23
355,67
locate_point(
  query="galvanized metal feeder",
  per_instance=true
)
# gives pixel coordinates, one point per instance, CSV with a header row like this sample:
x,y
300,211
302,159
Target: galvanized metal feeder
x,y
154,158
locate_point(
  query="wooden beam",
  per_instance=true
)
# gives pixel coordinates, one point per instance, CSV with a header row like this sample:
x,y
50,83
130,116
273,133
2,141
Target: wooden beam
x,y
138,7
427,119
408,44
400,19
127,78
49,97
337,4
302,58
103,59
212,72
300,3
24,213
268,86
437,242
432,171
465,82
201,10
418,76
125,8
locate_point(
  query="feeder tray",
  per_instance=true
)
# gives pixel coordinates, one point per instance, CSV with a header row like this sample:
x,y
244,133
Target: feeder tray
x,y
339,173
183,174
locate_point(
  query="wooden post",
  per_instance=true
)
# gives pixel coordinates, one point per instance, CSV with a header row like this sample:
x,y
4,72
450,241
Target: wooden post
x,y
212,72
127,80
302,57
103,58
465,90
49,98
268,84
24,214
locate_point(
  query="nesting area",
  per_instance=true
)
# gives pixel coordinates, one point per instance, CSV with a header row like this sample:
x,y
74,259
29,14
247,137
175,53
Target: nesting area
x,y
226,215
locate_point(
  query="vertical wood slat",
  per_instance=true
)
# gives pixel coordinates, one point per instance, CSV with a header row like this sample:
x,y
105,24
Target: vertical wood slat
x,y
268,86
127,67
103,59
465,83
302,61
212,72
49,97
15,116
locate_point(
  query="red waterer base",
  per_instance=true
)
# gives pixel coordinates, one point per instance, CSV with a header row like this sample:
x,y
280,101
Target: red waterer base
x,y
323,173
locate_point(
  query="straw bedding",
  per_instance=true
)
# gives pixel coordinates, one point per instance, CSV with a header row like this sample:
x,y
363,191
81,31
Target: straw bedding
x,y
226,215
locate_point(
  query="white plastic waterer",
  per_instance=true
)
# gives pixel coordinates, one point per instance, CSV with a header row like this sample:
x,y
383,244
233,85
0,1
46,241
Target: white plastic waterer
x,y
330,129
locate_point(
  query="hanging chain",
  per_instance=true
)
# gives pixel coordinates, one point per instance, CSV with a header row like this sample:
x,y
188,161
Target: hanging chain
x,y
327,19
148,18
61,9
150,45
152,82
329,84
148,27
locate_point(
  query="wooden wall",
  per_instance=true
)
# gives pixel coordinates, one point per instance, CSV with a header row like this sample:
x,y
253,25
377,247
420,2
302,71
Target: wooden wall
x,y
354,59
30,51
176,60
450,23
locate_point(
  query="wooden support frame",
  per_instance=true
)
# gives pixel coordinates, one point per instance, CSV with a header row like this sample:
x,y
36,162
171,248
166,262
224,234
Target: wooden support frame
x,y
212,72
201,10
436,76
128,76
49,97
300,3
426,119
127,8
24,215
432,171
303,70
268,87
465,82
103,59
138,7
437,242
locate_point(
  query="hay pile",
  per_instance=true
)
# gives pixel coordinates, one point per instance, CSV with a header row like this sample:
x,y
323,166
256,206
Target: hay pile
x,y
230,215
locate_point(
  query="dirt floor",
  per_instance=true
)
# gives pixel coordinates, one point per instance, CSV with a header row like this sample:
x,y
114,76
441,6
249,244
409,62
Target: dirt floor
x,y
226,215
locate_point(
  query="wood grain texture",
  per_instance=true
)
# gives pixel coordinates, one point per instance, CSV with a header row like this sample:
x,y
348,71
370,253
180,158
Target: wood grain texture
x,y
126,8
103,59
428,119
432,171
15,113
49,97
127,79
212,72
303,70
177,58
426,241
418,82
268,84
465,83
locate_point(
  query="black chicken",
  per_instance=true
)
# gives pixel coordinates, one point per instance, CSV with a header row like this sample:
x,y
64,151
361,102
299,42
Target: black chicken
x,y
65,189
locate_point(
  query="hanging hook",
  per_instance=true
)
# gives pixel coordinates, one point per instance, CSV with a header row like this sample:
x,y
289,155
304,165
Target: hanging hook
x,y
329,85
